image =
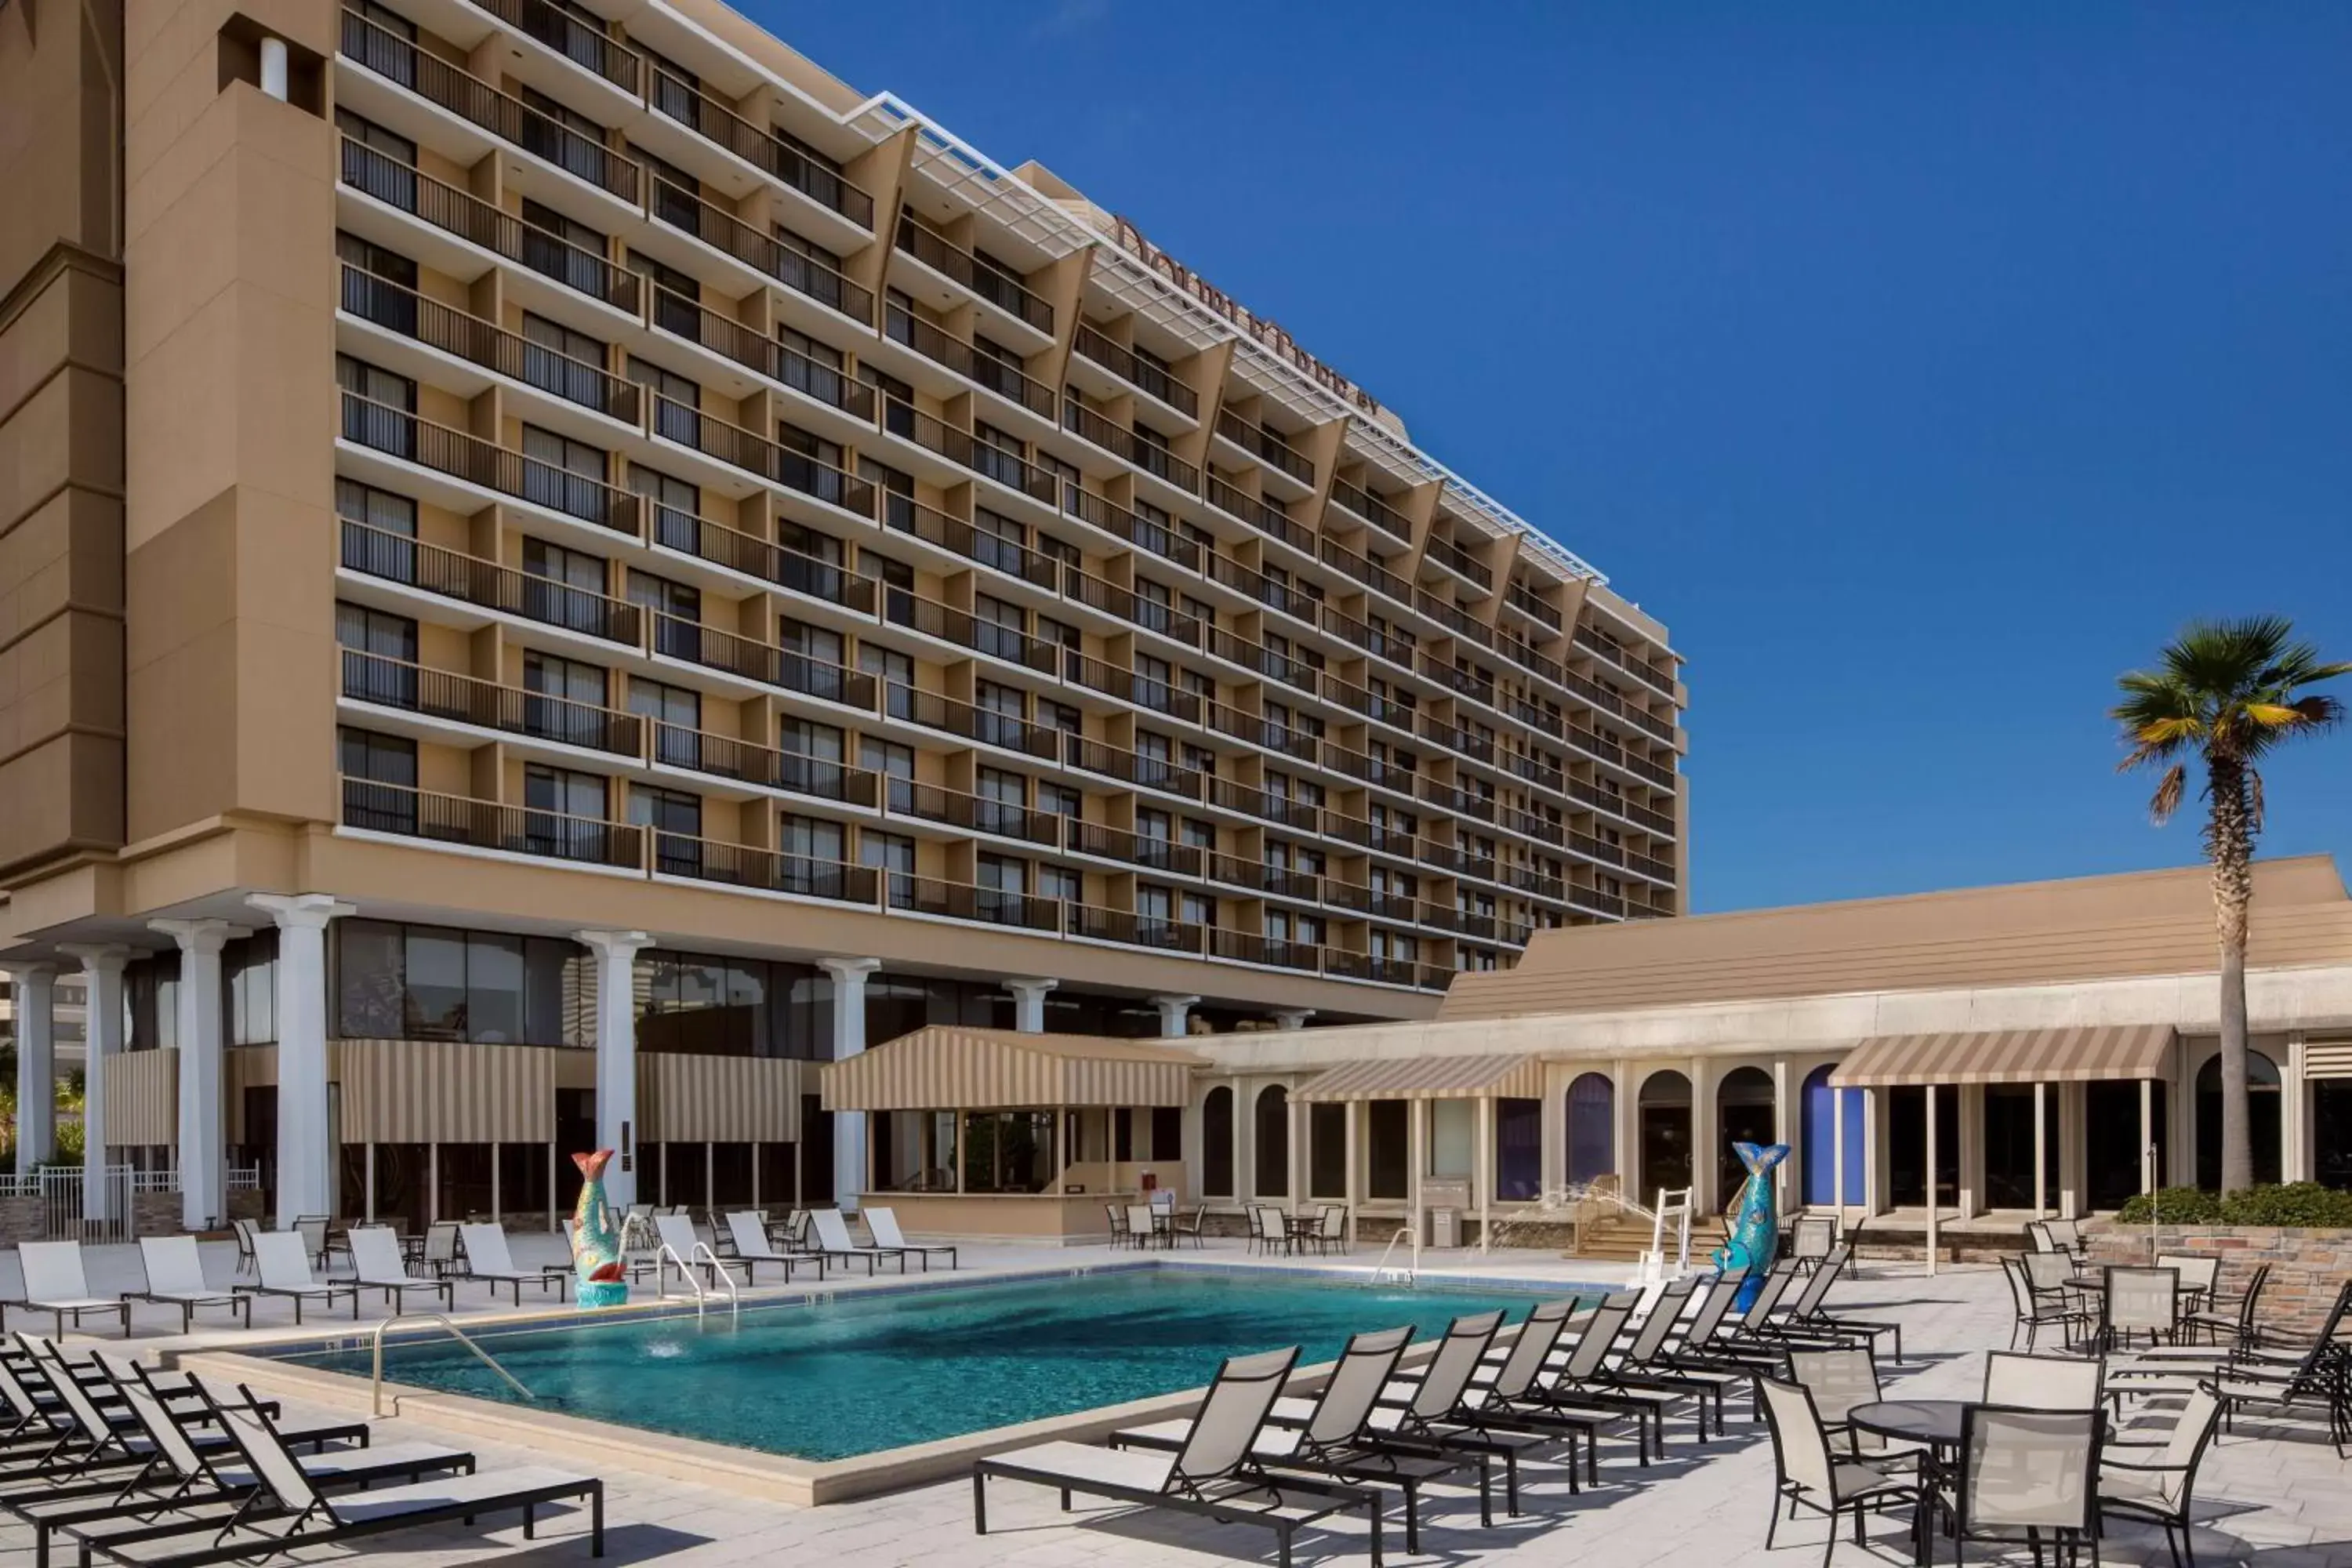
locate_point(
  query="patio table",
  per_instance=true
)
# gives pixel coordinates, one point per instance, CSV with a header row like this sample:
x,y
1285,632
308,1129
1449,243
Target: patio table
x,y
1935,1425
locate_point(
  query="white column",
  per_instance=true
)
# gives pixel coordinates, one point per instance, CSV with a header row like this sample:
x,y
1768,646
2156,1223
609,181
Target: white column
x,y
34,992
1294,1172
1871,1154
1553,1123
1707,1134
1837,1150
1970,1162
617,1057
1289,1017
203,1198
304,1184
849,976
1931,1178
1174,1011
1417,1152
1355,1186
1783,1124
2040,1151
1482,1174
101,1033
2146,1135
2073,1152
1029,1004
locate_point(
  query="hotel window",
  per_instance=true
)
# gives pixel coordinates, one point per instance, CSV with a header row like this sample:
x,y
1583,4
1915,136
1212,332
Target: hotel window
x,y
563,474
821,644
1395,946
1000,456
1153,904
1060,717
427,983
386,513
676,713
550,675
676,819
807,737
1200,835
811,838
564,792
677,401
999,541
1288,925
1061,633
1197,909
567,700
561,247
890,852
1059,550
568,364
1151,745
383,289
582,152
999,629
1066,476
379,781
1153,824
1000,875
1061,883
1003,803
1151,687
377,406
1062,800
884,569
676,608
675,193
379,655
887,758
809,268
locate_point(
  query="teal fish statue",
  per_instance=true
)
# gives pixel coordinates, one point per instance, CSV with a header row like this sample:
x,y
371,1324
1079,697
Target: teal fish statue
x,y
1755,1239
601,1279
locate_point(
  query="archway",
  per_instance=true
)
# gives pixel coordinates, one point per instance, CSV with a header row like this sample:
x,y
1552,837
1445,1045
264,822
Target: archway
x,y
1270,1121
1744,1113
1819,1118
1592,1127
1217,1143
2264,1109
1664,1103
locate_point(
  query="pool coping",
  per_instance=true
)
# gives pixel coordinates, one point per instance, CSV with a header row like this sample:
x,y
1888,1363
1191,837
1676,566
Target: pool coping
x,y
779,1477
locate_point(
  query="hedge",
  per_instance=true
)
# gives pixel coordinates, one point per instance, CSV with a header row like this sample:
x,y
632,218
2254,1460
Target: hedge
x,y
2299,1203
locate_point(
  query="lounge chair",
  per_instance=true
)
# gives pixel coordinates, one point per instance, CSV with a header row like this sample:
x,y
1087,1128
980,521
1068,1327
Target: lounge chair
x,y
487,1260
175,1277
1214,1473
284,1260
752,1248
1495,1415
885,1227
54,1284
833,1241
287,1510
376,1265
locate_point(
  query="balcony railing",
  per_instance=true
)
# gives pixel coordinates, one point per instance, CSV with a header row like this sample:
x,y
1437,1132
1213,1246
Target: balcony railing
x,y
1279,881
1461,801
1364,569
1522,598
682,209
1265,660
745,866
1131,930
1263,444
485,825
772,460
1453,618
1372,509
1346,965
1451,857
1264,733
725,757
1480,748
722,335
486,705
1595,900
568,35
1011,731
511,119
914,895
1370,834
1358,898
1084,587
1150,378
1452,556
1241,947
411,315
715,122
1528,880
1012,383
971,812
476,222
1655,821
398,558
1165,466
1258,514
397,433
740,552
946,624
1148,850
909,516
1273,595
1660,679
763,662
1264,804
1113,680
992,283
1132,527
1463,679
1130,767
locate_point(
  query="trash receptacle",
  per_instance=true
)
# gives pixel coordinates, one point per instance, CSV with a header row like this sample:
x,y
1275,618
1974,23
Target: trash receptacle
x,y
1445,1228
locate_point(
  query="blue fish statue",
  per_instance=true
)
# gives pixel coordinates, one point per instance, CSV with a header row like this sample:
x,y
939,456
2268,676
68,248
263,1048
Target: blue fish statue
x,y
1756,1232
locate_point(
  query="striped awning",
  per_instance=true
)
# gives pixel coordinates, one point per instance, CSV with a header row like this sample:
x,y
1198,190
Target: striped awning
x,y
948,1066
1512,1076
687,1099
443,1091
2008,1056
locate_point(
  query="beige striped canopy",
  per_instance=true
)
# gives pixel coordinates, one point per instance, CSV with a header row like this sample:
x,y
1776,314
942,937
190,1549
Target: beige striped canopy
x,y
720,1099
2008,1056
445,1091
948,1066
1510,1077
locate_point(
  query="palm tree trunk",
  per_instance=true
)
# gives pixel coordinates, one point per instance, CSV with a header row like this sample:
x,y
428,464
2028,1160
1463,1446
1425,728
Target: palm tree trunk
x,y
2229,844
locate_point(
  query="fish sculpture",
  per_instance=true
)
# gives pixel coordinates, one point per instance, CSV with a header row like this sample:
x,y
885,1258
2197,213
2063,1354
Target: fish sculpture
x,y
1755,1239
600,1275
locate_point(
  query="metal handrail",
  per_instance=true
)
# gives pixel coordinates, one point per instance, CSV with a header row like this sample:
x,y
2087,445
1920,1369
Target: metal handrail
x,y
1410,1233
667,1254
703,1249
375,1381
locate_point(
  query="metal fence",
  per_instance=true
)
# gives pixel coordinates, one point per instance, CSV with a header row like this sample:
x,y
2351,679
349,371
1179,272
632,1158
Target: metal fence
x,y
62,1205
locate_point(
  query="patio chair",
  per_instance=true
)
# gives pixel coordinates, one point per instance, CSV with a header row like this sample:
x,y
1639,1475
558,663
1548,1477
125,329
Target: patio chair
x,y
1642,1370
2067,1235
376,1265
833,1240
1272,1228
2233,1315
2138,1302
313,1229
2198,1272
680,1243
2156,1482
1840,1379
1139,1224
1812,1240
2275,1378
283,1260
56,1284
1331,1228
1213,1474
2045,1381
441,1248
1190,1229
752,1248
1500,1414
488,1261
245,1230
2037,1231
175,1277
2037,1308
2026,1475
884,1223
1122,1235
792,1230
1808,1475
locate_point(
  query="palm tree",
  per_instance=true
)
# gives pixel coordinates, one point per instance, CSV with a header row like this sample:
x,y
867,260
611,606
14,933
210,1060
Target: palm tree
x,y
2228,692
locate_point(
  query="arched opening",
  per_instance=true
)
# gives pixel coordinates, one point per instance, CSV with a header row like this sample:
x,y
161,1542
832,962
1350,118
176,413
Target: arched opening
x,y
1744,1113
1592,1127
1271,1125
1217,1143
1820,1109
2264,1105
1664,1103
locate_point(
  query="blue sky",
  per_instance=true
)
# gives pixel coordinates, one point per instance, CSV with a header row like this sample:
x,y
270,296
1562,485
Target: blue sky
x,y
1921,370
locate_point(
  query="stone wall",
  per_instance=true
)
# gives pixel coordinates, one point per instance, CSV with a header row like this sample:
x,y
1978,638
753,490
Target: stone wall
x,y
22,1219
156,1214
2307,1267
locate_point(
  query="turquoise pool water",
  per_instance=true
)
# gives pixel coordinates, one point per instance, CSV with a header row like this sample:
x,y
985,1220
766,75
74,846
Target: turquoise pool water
x,y
857,1374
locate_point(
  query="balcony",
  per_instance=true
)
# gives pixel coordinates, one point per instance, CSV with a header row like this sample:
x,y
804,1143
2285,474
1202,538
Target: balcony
x,y
397,433
754,557
1264,733
1648,817
1528,880
1370,835
908,516
1342,965
1148,850
1372,509
1522,598
971,812
1001,376
1609,703
1123,444
754,453
1465,681
976,277
1593,901
1460,802
762,662
1276,881
1241,947
1265,445
485,825
1131,930
1130,527
1130,767
485,705
1658,678
1266,518
1146,378
1461,862
724,757
1010,731
1459,562
1084,587
1518,764
1263,660
916,895
1371,770
1257,585
384,304
723,231
1511,646
745,866
1479,748
715,122
486,584
946,623
1264,804
1363,699
572,38
1453,618
1364,569
1094,675
472,99
763,355
454,212
1358,898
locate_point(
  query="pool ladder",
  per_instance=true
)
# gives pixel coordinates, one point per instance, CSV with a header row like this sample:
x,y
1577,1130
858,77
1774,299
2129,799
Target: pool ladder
x,y
1382,1271
701,1253
375,1383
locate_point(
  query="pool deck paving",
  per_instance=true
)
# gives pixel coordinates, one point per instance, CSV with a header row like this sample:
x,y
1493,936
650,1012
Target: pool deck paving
x,y
2272,1494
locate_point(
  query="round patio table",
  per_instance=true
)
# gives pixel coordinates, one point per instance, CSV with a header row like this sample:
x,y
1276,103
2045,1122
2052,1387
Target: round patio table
x,y
1935,1423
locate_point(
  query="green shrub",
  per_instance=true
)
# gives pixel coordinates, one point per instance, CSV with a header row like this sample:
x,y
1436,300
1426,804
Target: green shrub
x,y
2299,1203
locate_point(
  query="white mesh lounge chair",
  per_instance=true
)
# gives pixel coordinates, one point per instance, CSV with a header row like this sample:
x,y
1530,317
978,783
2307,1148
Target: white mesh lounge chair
x,y
1213,1473
54,1284
487,1260
175,1277
284,1262
884,1223
753,1248
376,1265
1809,1474
833,1241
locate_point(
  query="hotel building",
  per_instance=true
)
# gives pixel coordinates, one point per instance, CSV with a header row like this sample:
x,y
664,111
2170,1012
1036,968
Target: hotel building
x,y
559,566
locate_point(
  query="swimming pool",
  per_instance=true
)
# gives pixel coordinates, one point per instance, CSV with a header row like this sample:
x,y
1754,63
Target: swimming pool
x,y
861,1372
